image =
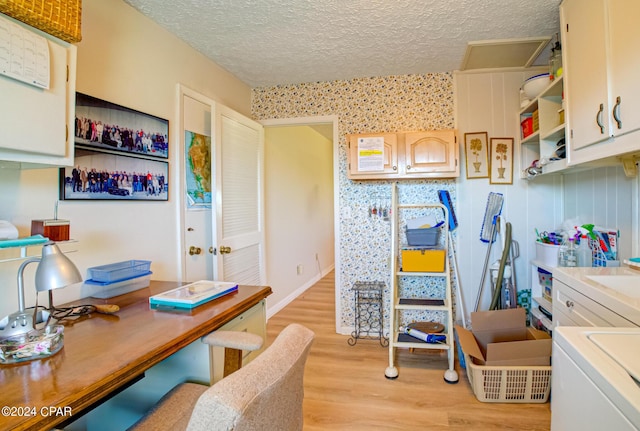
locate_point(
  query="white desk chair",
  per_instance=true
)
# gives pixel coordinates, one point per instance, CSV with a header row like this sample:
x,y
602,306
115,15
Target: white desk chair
x,y
264,395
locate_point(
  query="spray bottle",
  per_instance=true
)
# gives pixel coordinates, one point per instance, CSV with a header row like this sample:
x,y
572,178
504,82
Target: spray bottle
x,y
585,255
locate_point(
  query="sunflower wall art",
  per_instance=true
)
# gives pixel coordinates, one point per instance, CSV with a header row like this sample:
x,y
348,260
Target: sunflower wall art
x,y
501,156
477,154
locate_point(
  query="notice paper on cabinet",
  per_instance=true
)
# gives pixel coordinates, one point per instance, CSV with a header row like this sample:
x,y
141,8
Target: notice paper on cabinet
x,y
371,154
24,55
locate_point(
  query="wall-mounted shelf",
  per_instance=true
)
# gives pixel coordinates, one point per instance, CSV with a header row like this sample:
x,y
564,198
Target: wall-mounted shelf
x,y
24,252
542,144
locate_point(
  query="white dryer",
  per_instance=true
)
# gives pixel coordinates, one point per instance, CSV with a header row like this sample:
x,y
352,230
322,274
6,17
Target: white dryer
x,y
595,382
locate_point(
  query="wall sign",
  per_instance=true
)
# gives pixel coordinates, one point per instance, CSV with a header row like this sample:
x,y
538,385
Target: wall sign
x,y
371,154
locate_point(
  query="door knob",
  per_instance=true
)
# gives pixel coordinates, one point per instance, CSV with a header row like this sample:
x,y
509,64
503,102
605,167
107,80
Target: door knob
x,y
224,249
194,250
212,250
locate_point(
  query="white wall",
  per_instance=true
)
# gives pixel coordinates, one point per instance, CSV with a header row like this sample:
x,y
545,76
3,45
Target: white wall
x,y
126,59
299,210
604,196
607,198
490,102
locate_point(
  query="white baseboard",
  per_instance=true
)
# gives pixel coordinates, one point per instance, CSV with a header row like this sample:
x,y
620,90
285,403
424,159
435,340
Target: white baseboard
x,y
273,309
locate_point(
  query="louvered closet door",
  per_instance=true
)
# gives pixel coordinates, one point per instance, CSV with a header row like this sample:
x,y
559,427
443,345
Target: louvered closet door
x,y
239,221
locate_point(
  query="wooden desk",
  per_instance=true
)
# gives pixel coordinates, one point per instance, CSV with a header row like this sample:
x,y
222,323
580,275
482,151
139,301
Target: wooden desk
x,y
102,353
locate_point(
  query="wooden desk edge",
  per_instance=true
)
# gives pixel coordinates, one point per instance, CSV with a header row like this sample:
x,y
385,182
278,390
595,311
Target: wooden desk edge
x,y
96,392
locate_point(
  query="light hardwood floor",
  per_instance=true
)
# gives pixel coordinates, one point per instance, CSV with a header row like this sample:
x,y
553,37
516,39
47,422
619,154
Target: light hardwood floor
x,y
345,386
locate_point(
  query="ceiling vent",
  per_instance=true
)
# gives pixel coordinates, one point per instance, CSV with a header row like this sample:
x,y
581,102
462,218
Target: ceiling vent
x,y
506,53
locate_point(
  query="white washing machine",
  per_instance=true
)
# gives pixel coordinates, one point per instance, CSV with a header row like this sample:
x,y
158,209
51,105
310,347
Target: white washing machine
x,y
595,383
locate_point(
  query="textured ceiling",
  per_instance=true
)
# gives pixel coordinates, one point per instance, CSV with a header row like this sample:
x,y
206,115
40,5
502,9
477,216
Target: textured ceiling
x,y
271,42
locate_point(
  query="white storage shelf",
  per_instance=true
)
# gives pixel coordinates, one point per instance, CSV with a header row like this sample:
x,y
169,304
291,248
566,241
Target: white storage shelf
x,y
541,144
24,252
536,292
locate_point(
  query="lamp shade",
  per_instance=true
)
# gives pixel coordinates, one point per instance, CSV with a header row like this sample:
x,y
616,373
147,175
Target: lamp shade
x,y
55,270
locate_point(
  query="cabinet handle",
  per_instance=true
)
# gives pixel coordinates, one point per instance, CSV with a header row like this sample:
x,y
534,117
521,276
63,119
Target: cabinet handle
x,y
395,168
569,304
616,112
599,119
408,167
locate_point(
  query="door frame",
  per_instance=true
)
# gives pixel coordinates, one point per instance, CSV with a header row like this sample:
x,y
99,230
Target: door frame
x,y
310,121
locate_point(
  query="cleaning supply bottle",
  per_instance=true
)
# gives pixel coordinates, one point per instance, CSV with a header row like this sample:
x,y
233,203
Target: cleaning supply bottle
x,y
585,257
562,251
571,254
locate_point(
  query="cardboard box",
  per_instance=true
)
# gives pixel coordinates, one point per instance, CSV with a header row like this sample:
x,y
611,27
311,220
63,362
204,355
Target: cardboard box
x,y
423,260
54,229
501,337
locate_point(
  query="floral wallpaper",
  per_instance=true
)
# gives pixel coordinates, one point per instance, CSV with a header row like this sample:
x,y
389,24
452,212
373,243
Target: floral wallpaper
x,y
363,105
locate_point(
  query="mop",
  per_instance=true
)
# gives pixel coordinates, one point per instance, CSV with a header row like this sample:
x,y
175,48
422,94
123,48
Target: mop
x,y
445,199
488,233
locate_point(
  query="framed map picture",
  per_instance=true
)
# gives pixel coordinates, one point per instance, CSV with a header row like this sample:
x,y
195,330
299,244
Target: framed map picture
x,y
501,161
477,154
197,156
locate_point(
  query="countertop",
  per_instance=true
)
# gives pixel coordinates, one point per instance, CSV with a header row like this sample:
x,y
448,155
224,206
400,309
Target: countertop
x,y
617,288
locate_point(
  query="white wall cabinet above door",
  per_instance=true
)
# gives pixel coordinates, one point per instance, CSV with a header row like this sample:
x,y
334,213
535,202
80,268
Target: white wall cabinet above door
x,y
403,155
601,65
37,124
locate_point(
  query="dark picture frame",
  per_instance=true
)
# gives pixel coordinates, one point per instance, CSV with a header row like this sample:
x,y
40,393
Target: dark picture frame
x,y
107,126
100,175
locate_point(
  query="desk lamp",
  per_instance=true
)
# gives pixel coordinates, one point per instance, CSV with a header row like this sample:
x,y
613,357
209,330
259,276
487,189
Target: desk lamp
x,y
54,271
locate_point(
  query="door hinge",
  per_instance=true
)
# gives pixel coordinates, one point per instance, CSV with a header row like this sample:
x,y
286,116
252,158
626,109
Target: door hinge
x,y
67,73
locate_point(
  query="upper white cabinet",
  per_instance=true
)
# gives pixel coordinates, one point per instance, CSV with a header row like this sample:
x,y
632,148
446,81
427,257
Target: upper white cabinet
x,y
37,124
403,155
601,69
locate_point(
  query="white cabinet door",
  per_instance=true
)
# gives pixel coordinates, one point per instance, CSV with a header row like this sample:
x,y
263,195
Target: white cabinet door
x,y
585,69
624,40
37,124
600,40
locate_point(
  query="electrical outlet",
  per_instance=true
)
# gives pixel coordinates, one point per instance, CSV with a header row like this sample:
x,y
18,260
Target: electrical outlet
x,y
300,269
